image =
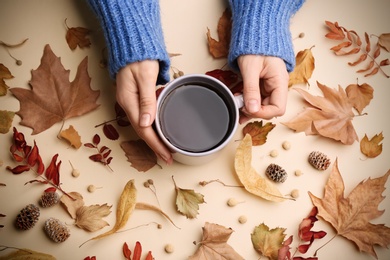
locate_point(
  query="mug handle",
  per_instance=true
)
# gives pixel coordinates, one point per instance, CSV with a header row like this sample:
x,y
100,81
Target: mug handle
x,y
239,100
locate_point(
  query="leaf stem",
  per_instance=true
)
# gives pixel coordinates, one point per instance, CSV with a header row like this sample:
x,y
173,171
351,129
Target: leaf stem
x,y
315,253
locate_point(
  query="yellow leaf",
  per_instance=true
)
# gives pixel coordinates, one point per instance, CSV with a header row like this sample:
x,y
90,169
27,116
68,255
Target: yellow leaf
x,y
371,148
27,254
72,136
6,118
248,176
303,69
268,242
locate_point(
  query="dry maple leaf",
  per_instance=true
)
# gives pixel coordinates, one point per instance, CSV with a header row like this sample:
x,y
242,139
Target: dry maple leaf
x,y
329,116
139,154
371,148
360,95
72,136
220,48
304,68
268,241
90,219
214,244
6,118
77,36
52,97
258,131
248,176
351,216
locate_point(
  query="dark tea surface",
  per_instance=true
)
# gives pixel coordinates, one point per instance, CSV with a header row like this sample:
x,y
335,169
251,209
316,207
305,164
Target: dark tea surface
x,y
194,118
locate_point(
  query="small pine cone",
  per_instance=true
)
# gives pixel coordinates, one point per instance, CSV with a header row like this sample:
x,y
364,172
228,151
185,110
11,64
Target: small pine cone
x,y
56,230
49,199
27,217
276,173
319,160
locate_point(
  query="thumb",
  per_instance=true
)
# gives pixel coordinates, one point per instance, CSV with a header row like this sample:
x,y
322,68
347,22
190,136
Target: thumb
x,y
147,104
251,91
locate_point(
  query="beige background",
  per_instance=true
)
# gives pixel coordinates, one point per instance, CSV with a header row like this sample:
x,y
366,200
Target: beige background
x,y
185,24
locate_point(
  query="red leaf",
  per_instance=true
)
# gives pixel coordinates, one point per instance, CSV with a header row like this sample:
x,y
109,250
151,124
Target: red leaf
x,y
110,132
51,189
126,251
121,117
238,88
96,157
137,251
17,157
96,139
149,256
106,154
103,149
108,161
53,171
19,169
89,145
227,77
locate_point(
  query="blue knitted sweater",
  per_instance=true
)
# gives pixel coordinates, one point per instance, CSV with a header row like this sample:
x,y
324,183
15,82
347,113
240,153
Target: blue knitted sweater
x,y
133,31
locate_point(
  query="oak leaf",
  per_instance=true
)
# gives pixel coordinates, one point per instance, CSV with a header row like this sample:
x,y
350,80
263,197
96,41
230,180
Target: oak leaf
x,y
52,97
6,118
371,147
77,36
384,41
90,219
248,176
220,48
258,131
268,241
187,201
329,116
360,95
72,136
4,74
139,154
214,244
305,64
350,216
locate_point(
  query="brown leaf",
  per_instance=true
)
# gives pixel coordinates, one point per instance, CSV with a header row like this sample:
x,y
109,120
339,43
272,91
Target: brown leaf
x,y
384,41
220,48
351,216
139,154
268,241
53,98
258,131
304,68
360,95
4,74
72,136
336,32
371,148
214,244
72,205
110,132
77,36
90,219
329,116
6,119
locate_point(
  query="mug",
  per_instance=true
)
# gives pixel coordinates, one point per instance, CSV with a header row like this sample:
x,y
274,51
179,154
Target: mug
x,y
197,115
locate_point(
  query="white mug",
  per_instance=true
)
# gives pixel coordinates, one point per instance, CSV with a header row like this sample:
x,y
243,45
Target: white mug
x,y
197,115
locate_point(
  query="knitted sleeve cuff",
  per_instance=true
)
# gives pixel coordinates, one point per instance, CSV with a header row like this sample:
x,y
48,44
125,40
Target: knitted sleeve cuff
x,y
262,28
133,32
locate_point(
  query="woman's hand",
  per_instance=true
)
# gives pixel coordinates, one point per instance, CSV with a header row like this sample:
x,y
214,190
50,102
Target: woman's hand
x,y
136,94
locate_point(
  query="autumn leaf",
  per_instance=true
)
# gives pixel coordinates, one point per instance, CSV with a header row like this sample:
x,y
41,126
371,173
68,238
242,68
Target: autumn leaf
x,y
187,201
306,234
268,241
258,131
77,36
90,219
214,244
4,74
6,118
360,95
139,154
228,77
329,116
72,136
351,216
371,147
146,206
304,68
72,205
110,132
248,176
384,41
27,254
220,48
53,98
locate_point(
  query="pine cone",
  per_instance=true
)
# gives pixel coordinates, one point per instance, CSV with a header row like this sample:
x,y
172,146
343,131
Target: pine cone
x,y
276,173
27,217
56,230
319,160
49,199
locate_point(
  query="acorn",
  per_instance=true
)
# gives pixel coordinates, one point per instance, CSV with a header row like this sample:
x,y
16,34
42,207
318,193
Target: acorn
x,y
27,217
56,230
319,160
276,173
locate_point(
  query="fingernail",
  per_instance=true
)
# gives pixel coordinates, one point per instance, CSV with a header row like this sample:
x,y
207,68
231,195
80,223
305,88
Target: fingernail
x,y
144,120
252,106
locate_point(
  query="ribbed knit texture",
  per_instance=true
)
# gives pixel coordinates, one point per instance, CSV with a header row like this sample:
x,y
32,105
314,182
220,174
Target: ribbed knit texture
x,y
133,32
262,27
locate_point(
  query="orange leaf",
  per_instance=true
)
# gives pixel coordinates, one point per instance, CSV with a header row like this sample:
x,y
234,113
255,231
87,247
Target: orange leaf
x,y
371,148
336,32
77,36
72,136
351,216
258,131
220,48
360,95
384,41
304,68
53,98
